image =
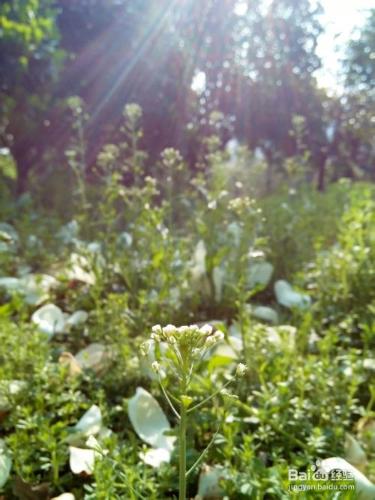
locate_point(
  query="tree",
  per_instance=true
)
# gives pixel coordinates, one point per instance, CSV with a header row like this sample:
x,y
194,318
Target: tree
x,y
116,52
259,61
124,52
360,60
29,61
352,149
280,62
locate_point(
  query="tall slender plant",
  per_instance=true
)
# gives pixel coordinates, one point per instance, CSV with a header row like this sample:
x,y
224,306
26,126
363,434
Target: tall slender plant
x,y
187,346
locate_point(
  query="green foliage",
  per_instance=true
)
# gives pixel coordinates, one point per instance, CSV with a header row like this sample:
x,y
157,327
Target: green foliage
x,y
342,278
360,62
291,223
28,35
307,384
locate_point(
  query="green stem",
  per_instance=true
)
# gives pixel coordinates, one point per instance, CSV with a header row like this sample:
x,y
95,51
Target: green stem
x,y
371,402
202,455
55,467
168,399
198,405
182,446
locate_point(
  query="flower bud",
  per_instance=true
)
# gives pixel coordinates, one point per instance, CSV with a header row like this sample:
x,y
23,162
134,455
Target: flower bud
x,y
169,330
196,353
210,341
206,330
156,367
186,400
241,370
219,336
157,329
183,330
226,393
145,347
194,328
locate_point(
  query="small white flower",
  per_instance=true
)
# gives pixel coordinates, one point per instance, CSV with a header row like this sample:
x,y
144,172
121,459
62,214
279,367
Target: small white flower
x,y
225,392
157,330
241,370
156,367
146,347
210,341
206,330
219,336
183,330
169,330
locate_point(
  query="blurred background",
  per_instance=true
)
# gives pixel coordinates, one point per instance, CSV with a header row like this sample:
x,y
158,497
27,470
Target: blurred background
x,y
279,79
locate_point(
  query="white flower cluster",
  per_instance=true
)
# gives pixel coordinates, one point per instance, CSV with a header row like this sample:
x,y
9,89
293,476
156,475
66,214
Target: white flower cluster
x,y
241,370
241,204
187,344
193,336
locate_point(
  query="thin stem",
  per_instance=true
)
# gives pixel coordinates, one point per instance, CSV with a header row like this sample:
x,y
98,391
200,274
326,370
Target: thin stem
x,y
209,397
168,399
173,367
200,458
182,446
178,356
173,398
371,402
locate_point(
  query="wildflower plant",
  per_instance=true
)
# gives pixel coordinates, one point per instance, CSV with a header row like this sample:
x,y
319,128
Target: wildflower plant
x,y
185,348
76,154
133,133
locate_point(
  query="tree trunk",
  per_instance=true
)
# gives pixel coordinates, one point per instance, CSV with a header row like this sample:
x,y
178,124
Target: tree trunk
x,y
24,155
321,172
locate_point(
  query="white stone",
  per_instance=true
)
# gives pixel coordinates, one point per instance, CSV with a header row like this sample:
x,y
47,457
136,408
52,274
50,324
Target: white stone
x,y
287,297
49,319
